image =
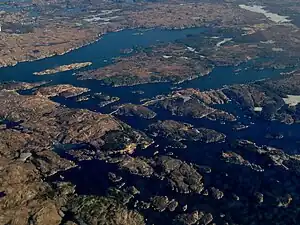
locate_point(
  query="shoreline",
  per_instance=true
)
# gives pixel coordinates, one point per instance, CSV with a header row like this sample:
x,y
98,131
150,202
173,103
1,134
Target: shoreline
x,y
51,55
152,82
99,37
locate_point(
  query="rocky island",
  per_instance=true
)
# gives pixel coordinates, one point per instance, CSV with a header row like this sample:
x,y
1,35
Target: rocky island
x,y
191,103
64,90
161,64
134,110
176,131
64,68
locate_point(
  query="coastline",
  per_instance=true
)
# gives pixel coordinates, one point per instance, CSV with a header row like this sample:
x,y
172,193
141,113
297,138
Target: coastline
x,y
98,37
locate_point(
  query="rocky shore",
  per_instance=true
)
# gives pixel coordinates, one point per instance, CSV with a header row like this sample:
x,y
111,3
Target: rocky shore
x,y
64,68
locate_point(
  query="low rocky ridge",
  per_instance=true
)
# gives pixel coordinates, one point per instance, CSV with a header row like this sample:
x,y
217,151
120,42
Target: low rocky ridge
x,y
64,68
102,210
105,99
64,90
16,86
196,217
176,131
135,110
208,97
179,176
161,203
191,103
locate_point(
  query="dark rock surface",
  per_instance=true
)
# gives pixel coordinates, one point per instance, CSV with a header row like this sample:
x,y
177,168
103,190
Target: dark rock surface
x,y
270,97
193,105
176,131
136,166
17,86
105,99
180,176
135,110
100,210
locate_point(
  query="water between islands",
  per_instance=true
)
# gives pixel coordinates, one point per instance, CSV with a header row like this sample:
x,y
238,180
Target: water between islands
x,y
103,52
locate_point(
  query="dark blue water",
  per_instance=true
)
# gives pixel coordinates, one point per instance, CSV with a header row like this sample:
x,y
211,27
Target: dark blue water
x,y
103,51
